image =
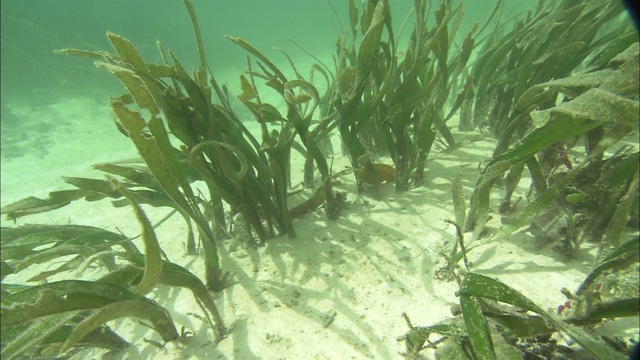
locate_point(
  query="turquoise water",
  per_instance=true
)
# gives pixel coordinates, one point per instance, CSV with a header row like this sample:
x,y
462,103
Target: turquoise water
x,y
33,76
32,29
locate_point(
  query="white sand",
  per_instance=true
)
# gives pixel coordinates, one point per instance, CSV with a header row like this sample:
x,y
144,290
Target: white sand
x,y
337,291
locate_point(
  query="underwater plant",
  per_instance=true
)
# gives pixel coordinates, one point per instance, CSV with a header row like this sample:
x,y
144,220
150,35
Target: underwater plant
x,y
540,113
249,176
393,105
562,33
490,329
62,316
302,99
133,176
577,197
601,106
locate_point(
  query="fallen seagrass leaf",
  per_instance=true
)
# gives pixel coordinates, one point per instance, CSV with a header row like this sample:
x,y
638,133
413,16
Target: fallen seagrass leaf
x,y
309,205
383,173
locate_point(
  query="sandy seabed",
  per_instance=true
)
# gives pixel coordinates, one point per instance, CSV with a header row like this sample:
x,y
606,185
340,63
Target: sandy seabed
x,y
336,291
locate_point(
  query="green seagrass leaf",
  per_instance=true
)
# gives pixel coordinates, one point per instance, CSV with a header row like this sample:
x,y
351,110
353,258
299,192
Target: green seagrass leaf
x,y
95,55
171,176
17,341
128,53
160,157
152,251
477,327
157,71
481,286
54,253
71,265
152,152
516,323
346,82
298,92
618,259
269,112
601,106
255,52
139,175
543,200
248,92
624,171
56,297
353,16
370,42
480,199
134,84
157,315
229,170
197,94
102,337
557,128
626,37
629,307
175,275
5,270
55,200
19,243
96,185
616,227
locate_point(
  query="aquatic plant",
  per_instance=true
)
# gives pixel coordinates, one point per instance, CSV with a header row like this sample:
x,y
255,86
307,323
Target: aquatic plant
x,y
302,99
595,196
490,330
252,178
65,315
392,104
132,175
539,113
601,106
215,143
510,61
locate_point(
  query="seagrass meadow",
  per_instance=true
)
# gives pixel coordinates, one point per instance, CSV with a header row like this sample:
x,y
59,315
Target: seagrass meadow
x,y
372,179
